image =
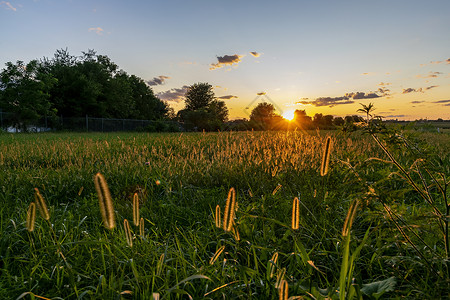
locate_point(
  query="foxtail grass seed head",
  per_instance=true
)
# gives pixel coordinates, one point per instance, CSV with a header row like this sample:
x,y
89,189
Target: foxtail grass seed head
x,y
42,206
280,277
276,189
216,255
350,218
31,216
326,157
217,216
141,227
235,232
129,236
105,201
159,264
272,264
136,209
295,214
283,290
229,210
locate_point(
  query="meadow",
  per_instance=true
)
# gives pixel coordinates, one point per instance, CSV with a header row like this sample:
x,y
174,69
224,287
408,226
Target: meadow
x,y
371,225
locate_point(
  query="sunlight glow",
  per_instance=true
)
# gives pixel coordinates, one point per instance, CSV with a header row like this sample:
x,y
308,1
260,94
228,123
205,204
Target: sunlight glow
x,y
288,115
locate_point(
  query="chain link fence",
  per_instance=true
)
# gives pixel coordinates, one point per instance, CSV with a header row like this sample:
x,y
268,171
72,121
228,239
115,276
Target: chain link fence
x,y
9,123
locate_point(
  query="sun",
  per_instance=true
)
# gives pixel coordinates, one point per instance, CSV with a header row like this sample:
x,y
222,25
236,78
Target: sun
x,y
289,115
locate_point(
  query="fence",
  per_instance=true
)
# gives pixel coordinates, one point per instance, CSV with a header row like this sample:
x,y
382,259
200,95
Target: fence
x,y
9,124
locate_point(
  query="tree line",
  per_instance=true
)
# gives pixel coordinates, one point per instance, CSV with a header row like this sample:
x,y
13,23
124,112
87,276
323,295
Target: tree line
x,y
265,117
91,84
75,86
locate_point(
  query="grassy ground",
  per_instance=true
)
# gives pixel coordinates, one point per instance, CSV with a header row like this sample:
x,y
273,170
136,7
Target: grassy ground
x,y
181,178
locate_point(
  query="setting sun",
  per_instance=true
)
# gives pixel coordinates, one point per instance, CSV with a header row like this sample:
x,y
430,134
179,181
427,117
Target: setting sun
x,y
288,115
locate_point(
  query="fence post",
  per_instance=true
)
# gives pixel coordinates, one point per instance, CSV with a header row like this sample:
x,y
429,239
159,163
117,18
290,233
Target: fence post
x,y
102,124
87,123
1,118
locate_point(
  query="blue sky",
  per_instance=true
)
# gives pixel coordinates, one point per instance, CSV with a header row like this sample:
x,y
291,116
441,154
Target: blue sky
x,y
321,56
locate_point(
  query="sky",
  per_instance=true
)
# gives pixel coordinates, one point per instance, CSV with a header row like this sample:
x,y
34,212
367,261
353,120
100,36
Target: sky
x,y
320,56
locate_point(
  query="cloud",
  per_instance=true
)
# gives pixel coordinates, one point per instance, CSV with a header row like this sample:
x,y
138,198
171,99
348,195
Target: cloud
x,y
408,90
226,60
416,102
255,54
348,98
227,97
97,30
261,93
447,61
8,5
158,80
368,73
430,75
419,90
176,95
384,91
384,83
443,102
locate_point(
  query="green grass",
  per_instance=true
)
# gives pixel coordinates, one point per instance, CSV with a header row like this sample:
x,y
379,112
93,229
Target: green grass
x,y
84,260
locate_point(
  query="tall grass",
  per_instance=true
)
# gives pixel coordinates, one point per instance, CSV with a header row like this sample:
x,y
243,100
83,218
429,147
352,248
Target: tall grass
x,y
184,250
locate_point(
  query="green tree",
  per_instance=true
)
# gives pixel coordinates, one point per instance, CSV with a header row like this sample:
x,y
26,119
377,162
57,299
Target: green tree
x,y
198,96
93,85
203,111
24,92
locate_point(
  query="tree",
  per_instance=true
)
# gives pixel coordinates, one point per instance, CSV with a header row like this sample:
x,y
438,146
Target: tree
x,y
24,92
203,111
262,115
199,95
93,85
302,120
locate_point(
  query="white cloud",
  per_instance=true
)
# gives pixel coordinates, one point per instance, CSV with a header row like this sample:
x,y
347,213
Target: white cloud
x,y
8,5
97,30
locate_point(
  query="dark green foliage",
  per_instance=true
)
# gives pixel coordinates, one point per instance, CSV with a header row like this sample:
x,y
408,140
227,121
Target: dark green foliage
x,y
71,86
203,111
25,92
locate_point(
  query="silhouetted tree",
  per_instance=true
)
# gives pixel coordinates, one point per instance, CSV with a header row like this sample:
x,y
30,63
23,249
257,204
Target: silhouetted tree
x,y
262,115
302,120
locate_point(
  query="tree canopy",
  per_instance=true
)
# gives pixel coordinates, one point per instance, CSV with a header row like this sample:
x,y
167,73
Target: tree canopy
x,y
202,110
75,86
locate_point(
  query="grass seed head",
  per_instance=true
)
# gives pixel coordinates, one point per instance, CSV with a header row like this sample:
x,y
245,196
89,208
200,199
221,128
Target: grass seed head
x,y
278,187
105,201
141,227
283,290
295,214
217,216
42,206
136,209
272,264
280,277
128,234
326,157
350,218
229,210
216,255
31,216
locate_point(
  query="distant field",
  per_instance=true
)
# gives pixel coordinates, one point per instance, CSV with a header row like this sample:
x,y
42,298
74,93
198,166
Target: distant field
x,y
180,178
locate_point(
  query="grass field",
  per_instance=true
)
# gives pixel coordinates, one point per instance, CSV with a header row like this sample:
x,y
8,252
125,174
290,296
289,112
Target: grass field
x,y
365,229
